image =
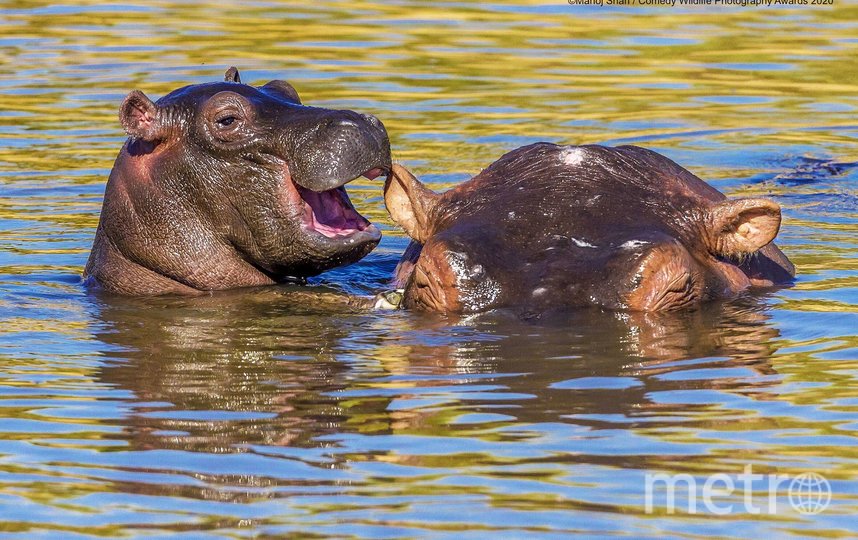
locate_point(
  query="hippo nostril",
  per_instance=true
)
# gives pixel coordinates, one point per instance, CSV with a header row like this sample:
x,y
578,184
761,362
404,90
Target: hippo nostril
x,y
375,122
346,123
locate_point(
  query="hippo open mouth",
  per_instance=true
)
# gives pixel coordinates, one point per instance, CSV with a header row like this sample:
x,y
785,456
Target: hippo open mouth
x,y
331,213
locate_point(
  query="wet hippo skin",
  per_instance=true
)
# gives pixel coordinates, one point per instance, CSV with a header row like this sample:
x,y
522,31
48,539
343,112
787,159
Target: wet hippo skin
x,y
225,185
550,226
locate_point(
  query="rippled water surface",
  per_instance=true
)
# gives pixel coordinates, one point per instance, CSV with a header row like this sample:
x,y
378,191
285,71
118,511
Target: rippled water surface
x,y
255,413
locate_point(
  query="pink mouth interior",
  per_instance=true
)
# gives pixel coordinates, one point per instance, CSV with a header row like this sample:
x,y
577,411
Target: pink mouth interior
x,y
330,213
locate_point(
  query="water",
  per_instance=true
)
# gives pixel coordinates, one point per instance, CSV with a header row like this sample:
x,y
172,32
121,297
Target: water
x,y
253,413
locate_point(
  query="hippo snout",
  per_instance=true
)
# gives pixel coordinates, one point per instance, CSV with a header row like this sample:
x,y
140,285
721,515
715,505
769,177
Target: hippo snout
x,y
346,146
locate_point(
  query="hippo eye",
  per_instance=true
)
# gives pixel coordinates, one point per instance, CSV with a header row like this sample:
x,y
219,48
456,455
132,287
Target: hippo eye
x,y
226,121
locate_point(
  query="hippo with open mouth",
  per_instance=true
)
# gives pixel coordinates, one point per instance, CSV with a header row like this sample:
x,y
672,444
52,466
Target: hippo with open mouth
x,y
225,185
550,226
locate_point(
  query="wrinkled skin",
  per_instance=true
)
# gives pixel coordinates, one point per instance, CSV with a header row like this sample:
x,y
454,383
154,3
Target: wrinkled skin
x,y
225,185
550,226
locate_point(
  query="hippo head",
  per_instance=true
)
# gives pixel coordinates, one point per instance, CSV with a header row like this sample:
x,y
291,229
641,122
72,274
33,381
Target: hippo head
x,y
550,226
225,185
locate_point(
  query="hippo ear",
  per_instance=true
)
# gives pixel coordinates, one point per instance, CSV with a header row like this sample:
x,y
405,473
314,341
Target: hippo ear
x,y
232,75
282,89
742,226
409,202
139,116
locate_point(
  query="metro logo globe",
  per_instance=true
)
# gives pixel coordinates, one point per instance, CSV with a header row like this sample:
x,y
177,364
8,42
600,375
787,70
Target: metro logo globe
x,y
809,493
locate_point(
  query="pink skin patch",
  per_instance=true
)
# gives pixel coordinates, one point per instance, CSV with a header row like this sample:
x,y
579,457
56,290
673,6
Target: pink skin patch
x,y
330,213
372,174
732,276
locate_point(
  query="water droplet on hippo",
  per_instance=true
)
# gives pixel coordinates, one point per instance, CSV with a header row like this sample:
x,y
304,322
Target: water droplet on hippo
x,y
582,243
632,244
572,155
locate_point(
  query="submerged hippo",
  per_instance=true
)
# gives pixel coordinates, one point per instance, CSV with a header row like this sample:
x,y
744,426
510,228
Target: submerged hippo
x,y
550,226
226,185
